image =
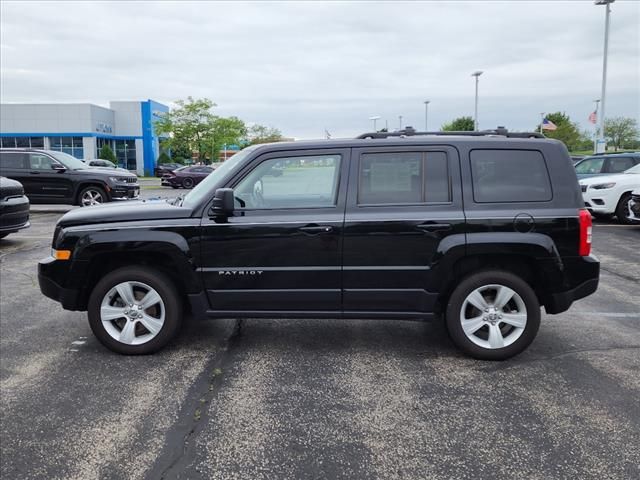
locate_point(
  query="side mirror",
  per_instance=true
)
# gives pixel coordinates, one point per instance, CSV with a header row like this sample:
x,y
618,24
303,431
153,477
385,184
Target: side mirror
x,y
223,202
58,167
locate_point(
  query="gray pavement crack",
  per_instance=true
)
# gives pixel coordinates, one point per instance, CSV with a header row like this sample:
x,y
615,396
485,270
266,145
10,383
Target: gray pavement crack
x,y
181,442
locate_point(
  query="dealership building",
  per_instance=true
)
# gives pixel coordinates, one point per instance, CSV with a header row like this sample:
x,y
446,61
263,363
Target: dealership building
x,y
81,130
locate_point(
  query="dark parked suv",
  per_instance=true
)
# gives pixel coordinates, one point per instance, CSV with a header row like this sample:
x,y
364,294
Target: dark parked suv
x,y
56,177
14,207
482,228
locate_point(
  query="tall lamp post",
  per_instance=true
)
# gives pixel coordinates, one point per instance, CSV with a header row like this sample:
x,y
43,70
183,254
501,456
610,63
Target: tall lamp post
x,y
426,115
374,119
595,136
601,145
475,116
400,121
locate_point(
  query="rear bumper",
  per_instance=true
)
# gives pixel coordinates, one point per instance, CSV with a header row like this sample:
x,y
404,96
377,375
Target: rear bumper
x,y
589,273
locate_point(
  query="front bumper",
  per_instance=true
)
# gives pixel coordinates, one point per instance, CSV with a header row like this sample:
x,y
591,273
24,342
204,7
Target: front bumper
x,y
125,191
14,214
53,276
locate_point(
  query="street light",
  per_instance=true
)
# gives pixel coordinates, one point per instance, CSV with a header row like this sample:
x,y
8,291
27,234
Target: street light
x,y
601,145
595,137
426,115
475,117
400,119
374,119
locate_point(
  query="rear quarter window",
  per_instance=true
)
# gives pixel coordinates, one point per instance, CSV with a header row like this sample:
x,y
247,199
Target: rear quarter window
x,y
505,176
11,160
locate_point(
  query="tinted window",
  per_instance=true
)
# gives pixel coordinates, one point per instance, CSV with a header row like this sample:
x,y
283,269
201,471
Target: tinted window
x,y
291,182
403,178
590,165
11,160
620,164
509,176
39,162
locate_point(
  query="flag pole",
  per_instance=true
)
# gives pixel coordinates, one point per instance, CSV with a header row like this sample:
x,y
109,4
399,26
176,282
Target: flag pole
x,y
541,120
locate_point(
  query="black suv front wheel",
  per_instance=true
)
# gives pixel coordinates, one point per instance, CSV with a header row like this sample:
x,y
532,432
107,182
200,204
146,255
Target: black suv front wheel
x,y
493,315
134,310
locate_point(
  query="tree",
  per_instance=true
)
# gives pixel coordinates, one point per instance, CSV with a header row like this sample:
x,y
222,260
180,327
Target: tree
x,y
567,131
460,124
188,126
163,158
261,134
621,132
107,154
225,131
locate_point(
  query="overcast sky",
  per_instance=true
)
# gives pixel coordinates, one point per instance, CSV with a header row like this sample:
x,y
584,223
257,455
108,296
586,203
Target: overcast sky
x,y
303,67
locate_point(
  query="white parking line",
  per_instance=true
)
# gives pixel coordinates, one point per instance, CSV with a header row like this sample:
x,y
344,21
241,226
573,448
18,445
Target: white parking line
x,y
611,314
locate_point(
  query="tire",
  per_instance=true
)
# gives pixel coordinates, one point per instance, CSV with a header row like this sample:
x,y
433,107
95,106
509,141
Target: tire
x,y
622,210
127,331
92,195
174,186
491,327
188,182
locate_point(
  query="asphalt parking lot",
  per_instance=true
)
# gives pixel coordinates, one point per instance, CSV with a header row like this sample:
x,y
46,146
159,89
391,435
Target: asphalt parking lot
x,y
285,399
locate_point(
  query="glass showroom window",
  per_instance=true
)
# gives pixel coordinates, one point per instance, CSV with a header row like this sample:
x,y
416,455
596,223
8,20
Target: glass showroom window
x,y
101,142
70,145
126,154
22,142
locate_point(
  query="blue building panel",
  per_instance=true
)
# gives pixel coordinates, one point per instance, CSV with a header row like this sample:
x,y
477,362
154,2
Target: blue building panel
x,y
150,112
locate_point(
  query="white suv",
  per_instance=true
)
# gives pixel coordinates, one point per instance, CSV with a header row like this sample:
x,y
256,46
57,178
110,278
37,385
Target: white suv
x,y
610,194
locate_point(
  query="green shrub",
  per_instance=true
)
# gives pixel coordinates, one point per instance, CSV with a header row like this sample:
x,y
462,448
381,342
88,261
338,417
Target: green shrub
x,y
107,154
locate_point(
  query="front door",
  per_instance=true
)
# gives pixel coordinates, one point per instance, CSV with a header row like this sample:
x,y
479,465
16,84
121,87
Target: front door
x,y
404,209
281,250
43,182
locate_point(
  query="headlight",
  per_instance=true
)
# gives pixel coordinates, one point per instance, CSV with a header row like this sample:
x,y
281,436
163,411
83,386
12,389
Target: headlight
x,y
603,186
119,179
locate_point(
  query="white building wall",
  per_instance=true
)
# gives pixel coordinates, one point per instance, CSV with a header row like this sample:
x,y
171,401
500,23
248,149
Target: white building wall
x,y
139,157
89,145
46,118
128,118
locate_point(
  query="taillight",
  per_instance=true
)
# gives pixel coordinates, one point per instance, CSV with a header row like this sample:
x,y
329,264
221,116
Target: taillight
x,y
584,248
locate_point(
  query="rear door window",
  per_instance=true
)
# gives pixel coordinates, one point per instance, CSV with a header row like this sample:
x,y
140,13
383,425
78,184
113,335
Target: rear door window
x,y
11,161
501,176
396,178
619,164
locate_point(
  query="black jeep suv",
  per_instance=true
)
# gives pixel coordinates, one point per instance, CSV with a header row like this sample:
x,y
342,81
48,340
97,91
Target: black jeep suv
x,y
56,177
483,228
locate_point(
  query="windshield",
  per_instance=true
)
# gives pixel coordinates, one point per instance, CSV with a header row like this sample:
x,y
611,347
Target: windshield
x,y
72,163
635,169
204,188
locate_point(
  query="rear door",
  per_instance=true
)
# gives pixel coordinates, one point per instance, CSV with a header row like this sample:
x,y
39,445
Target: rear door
x,y
404,204
13,165
618,164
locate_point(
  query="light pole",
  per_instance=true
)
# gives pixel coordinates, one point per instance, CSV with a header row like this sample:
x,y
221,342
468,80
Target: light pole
x,y
595,136
374,119
426,115
541,120
601,145
400,119
475,116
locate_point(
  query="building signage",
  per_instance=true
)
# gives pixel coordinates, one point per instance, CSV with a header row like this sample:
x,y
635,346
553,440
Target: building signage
x,y
104,128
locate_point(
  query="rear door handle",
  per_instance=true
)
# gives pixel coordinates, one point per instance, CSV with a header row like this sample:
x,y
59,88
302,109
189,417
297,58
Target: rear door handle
x,y
434,227
316,229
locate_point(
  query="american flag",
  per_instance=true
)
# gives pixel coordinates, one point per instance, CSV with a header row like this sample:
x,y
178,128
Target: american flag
x,y
593,118
548,125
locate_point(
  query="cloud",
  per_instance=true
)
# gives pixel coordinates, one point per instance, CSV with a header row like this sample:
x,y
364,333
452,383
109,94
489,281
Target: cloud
x,y
307,66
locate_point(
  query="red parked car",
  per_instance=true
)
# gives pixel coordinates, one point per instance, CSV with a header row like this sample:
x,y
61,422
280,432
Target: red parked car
x,y
186,177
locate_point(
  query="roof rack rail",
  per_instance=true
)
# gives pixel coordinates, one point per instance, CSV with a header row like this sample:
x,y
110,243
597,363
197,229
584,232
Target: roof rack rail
x,y
411,132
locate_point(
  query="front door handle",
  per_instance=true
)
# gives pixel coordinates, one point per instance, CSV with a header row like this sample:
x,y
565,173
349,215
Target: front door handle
x,y
316,229
434,227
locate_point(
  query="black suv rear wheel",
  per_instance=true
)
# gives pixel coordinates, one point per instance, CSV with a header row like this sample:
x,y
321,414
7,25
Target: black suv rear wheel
x,y
134,310
493,315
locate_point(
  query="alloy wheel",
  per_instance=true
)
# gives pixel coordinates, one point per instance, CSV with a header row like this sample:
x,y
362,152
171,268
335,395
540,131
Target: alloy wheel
x,y
493,316
91,197
132,313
